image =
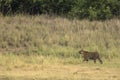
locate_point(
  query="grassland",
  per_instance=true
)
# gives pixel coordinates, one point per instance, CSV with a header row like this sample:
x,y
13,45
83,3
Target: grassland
x,y
14,67
46,48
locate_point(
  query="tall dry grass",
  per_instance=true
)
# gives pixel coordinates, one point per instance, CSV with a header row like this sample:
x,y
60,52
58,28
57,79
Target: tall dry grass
x,y
58,36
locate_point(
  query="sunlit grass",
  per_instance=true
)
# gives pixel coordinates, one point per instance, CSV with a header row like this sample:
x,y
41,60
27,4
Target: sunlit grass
x,y
22,67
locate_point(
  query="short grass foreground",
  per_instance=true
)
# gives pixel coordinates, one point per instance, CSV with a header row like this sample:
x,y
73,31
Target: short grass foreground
x,y
13,67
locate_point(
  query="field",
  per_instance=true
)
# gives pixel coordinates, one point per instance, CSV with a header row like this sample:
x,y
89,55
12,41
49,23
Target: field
x,y
46,48
22,67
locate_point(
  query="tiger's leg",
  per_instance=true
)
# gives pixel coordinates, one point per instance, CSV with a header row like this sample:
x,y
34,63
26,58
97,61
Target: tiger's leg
x,y
94,60
100,60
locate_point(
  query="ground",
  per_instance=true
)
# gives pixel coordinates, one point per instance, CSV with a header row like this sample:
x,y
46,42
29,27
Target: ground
x,y
52,68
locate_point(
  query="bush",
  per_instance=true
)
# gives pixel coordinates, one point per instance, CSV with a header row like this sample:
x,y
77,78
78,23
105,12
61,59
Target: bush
x,y
91,9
